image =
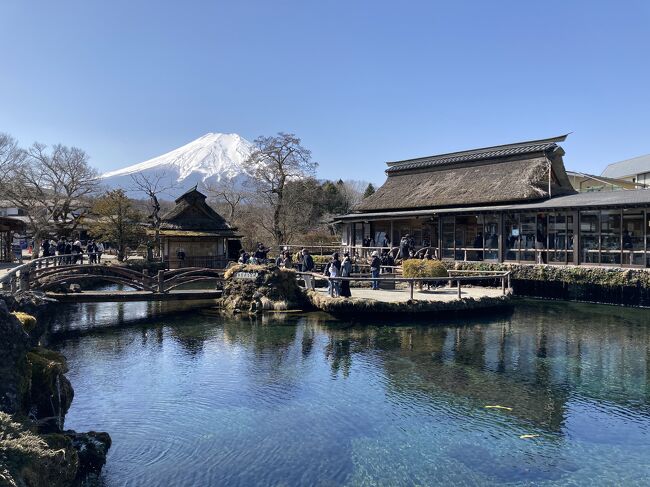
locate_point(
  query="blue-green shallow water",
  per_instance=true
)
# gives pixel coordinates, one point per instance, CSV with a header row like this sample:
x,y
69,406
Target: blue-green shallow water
x,y
199,400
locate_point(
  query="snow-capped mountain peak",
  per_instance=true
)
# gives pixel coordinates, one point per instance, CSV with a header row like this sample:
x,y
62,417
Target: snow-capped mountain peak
x,y
213,156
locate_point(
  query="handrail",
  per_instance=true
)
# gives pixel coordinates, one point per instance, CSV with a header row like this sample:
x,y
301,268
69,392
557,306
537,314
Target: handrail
x,y
490,275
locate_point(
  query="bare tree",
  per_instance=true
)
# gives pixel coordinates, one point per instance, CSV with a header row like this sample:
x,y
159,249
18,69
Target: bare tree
x,y
153,186
275,162
10,154
227,194
53,188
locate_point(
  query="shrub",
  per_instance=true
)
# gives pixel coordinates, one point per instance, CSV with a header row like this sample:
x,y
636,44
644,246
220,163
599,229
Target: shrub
x,y
321,259
28,321
423,268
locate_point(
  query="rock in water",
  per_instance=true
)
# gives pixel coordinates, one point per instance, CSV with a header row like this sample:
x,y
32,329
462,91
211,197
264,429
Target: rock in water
x,y
261,287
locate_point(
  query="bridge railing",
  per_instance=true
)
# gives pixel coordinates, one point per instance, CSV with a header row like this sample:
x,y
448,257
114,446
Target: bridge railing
x,y
470,277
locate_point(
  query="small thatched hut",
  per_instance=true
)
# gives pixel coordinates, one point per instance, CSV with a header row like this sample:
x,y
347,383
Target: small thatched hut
x,y
194,235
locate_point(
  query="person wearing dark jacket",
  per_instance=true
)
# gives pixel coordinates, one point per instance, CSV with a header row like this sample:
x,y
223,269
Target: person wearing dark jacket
x,y
375,266
404,247
307,261
346,270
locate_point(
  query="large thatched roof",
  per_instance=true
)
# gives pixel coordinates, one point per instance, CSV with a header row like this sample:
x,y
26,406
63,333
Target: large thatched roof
x,y
192,213
500,174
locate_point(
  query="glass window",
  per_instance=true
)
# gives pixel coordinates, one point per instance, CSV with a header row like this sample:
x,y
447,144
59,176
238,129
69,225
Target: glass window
x,y
511,235
491,237
569,238
557,238
380,233
528,236
610,237
633,238
447,231
469,236
589,237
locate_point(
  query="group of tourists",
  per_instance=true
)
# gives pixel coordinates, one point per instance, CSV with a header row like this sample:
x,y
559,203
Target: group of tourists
x,y
337,268
72,251
302,260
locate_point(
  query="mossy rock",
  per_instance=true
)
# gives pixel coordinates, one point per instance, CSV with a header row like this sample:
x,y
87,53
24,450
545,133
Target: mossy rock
x,y
29,459
51,393
270,282
27,320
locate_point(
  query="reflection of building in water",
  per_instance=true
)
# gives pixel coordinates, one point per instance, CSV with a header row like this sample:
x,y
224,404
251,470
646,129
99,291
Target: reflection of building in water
x,y
526,362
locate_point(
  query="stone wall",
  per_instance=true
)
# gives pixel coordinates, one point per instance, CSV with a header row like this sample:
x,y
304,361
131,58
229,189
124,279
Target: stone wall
x,y
609,285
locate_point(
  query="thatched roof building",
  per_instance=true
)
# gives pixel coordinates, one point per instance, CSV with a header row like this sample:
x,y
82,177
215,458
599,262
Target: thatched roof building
x,y
523,171
507,203
193,214
193,234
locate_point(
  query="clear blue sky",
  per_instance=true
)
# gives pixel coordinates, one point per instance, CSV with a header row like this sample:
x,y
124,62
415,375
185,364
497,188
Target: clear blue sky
x,y
361,82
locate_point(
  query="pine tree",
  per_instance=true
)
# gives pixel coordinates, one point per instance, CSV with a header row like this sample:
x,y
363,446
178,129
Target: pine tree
x,y
370,189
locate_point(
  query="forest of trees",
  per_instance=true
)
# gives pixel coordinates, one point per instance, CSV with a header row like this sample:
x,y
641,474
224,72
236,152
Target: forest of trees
x,y
281,203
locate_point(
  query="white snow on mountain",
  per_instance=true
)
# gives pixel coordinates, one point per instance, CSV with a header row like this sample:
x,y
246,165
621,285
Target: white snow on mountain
x,y
213,157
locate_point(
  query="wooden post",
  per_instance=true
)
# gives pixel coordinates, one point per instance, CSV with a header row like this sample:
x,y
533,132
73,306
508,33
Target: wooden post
x,y
503,284
145,277
509,285
161,281
24,280
412,290
13,284
458,288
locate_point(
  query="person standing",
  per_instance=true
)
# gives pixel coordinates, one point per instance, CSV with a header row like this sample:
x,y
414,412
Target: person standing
x,y
404,247
375,266
307,261
77,252
346,271
92,252
60,250
100,251
335,271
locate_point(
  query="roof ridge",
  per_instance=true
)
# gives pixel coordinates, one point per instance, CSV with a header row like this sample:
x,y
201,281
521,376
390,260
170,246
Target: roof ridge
x,y
551,140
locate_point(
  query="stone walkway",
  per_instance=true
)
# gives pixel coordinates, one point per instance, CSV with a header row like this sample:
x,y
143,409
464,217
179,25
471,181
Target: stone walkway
x,y
442,294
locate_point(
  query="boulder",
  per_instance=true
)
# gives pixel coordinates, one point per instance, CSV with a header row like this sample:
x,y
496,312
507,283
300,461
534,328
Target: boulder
x,y
14,369
51,393
92,448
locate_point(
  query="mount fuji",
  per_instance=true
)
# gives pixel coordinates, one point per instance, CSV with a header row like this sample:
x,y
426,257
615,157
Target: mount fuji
x,y
208,159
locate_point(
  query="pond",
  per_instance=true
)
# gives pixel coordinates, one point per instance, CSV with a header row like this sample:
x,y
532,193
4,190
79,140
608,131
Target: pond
x,y
191,399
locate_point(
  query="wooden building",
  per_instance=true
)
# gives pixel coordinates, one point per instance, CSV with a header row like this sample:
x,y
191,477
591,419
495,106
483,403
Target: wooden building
x,y
194,235
7,228
508,203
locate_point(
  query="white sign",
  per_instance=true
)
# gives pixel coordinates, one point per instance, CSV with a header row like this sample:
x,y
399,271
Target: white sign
x,y
246,275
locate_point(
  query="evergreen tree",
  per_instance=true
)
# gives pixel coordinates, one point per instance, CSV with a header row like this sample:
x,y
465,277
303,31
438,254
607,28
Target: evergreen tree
x,y
370,189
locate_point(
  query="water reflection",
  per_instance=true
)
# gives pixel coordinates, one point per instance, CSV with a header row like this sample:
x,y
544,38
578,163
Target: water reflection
x,y
301,399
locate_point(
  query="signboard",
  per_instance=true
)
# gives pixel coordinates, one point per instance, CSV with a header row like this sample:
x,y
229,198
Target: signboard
x,y
246,275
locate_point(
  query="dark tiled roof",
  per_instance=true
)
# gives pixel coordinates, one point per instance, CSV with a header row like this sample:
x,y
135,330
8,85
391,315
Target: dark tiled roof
x,y
495,152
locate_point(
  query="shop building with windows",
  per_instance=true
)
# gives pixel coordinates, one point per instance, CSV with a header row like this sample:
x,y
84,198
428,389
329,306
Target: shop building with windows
x,y
509,203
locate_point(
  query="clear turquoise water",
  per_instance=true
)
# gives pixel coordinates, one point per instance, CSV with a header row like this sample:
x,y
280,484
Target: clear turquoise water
x,y
304,400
